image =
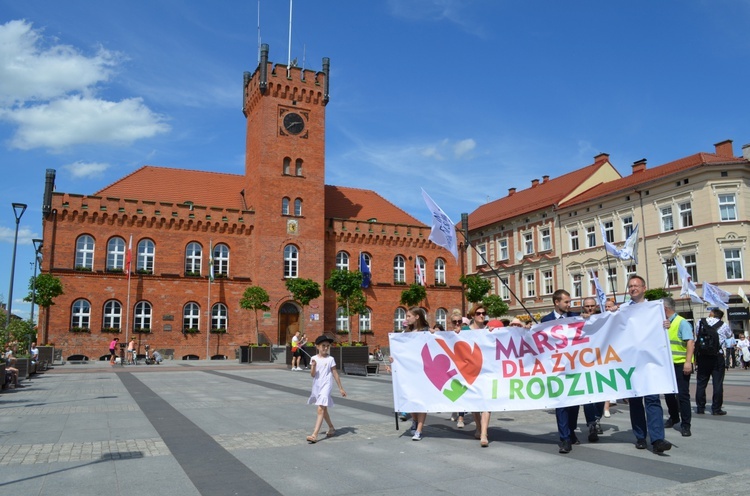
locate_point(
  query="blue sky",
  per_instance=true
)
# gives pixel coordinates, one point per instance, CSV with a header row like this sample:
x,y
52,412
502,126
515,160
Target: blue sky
x,y
464,98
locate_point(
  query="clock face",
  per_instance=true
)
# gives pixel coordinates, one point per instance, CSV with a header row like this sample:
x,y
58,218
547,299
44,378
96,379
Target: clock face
x,y
294,123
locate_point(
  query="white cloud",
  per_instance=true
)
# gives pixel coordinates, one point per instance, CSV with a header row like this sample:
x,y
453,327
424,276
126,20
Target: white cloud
x,y
463,147
77,120
86,169
30,72
25,235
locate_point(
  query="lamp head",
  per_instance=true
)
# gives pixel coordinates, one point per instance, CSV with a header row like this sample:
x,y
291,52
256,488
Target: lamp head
x,y
19,207
38,243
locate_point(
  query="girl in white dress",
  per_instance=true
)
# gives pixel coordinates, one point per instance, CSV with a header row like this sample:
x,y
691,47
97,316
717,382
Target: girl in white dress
x,y
323,371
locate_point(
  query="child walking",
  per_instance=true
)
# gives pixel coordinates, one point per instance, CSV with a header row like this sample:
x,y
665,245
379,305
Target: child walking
x,y
323,371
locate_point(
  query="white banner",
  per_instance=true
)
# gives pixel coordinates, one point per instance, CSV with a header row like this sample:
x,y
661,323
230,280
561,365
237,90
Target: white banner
x,y
559,363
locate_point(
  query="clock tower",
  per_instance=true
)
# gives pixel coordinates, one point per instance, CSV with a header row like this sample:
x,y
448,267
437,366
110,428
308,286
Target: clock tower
x,y
285,174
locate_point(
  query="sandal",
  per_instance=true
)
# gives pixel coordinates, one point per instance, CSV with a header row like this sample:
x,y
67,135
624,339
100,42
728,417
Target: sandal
x,y
311,440
331,432
484,443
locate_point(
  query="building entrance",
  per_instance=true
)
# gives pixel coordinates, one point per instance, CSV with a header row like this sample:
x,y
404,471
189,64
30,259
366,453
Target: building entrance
x,y
288,323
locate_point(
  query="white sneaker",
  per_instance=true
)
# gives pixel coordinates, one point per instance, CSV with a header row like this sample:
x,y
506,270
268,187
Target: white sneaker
x,y
294,369
417,436
460,424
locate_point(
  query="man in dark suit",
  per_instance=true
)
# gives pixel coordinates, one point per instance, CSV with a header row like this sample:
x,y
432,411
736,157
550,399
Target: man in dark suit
x,y
567,417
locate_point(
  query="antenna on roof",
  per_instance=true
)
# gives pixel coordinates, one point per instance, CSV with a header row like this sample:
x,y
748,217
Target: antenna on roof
x,y
289,52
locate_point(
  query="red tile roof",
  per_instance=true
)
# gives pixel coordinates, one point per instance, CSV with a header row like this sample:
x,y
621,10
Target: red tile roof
x,y
214,189
637,179
544,195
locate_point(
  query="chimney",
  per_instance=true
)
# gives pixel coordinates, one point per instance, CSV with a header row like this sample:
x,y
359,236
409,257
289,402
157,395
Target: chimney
x,y
49,187
545,179
601,157
511,191
534,183
724,149
639,165
746,151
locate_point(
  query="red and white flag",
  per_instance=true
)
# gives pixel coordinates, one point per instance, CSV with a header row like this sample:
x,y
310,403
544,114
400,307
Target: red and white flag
x,y
420,274
129,256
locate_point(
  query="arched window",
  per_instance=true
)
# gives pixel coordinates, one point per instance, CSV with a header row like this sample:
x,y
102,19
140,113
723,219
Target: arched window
x,y
221,260
219,316
420,276
368,261
342,320
287,166
142,316
440,271
191,315
441,317
291,260
85,252
298,167
342,260
285,206
116,254
399,269
365,320
193,258
298,207
146,254
112,317
81,314
399,318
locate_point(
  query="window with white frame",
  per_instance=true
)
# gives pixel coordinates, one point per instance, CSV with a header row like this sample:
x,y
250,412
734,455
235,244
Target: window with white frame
x,y
439,271
116,254
728,206
193,258
691,266
612,280
530,285
667,222
627,226
629,271
574,244
365,320
81,314
399,318
399,269
686,214
342,260
733,261
576,285
342,320
528,243
85,252
285,206
502,249
592,284
291,261
142,315
503,289
590,236
481,254
670,269
298,207
441,317
219,316
221,260
546,236
547,284
609,231
112,316
191,314
146,256
420,276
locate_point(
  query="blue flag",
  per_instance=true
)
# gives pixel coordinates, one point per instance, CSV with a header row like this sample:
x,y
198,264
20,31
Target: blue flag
x,y
365,270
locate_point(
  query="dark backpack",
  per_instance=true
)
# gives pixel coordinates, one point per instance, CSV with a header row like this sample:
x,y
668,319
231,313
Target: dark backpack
x,y
707,341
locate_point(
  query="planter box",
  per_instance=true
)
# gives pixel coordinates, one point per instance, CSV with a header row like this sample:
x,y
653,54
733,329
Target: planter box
x,y
250,354
22,364
46,353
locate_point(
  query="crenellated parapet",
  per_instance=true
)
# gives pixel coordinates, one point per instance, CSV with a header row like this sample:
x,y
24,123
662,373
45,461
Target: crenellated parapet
x,y
377,233
150,214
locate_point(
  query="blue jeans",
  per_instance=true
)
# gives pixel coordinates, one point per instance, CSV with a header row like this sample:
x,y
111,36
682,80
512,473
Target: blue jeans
x,y
593,412
648,420
567,422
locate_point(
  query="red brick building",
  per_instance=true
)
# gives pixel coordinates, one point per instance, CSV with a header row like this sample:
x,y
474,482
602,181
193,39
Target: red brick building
x,y
280,220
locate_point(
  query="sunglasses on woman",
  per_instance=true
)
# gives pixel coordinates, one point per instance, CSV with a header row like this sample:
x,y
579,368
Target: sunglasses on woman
x,y
480,313
456,322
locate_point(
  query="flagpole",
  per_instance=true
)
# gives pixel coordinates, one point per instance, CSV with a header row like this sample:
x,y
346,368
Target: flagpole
x,y
127,303
609,275
208,301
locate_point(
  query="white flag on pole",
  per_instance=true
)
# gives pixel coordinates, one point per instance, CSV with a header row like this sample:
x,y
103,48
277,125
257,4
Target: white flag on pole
x,y
715,296
688,286
629,251
601,296
443,230
742,295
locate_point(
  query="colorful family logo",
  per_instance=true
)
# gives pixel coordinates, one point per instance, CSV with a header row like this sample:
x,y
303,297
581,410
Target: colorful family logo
x,y
439,369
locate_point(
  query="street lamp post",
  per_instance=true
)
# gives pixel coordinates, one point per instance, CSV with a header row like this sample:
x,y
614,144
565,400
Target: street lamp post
x,y
37,254
18,210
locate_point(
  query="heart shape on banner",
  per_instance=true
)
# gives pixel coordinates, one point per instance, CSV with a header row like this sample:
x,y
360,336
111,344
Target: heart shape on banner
x,y
468,361
437,370
456,391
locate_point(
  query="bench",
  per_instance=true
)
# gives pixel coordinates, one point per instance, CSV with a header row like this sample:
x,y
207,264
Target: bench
x,y
79,359
361,369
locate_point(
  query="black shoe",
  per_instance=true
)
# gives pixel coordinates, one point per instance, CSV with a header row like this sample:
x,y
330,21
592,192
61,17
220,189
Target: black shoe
x,y
593,436
640,444
661,446
700,411
565,446
685,431
574,439
599,429
719,412
670,423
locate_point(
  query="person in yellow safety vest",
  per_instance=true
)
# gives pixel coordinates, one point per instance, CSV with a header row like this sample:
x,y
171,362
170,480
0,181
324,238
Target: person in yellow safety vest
x,y
682,343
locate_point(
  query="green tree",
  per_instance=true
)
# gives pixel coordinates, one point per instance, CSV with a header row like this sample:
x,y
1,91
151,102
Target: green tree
x,y
476,287
414,295
348,288
495,305
43,292
255,298
303,291
23,332
656,294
